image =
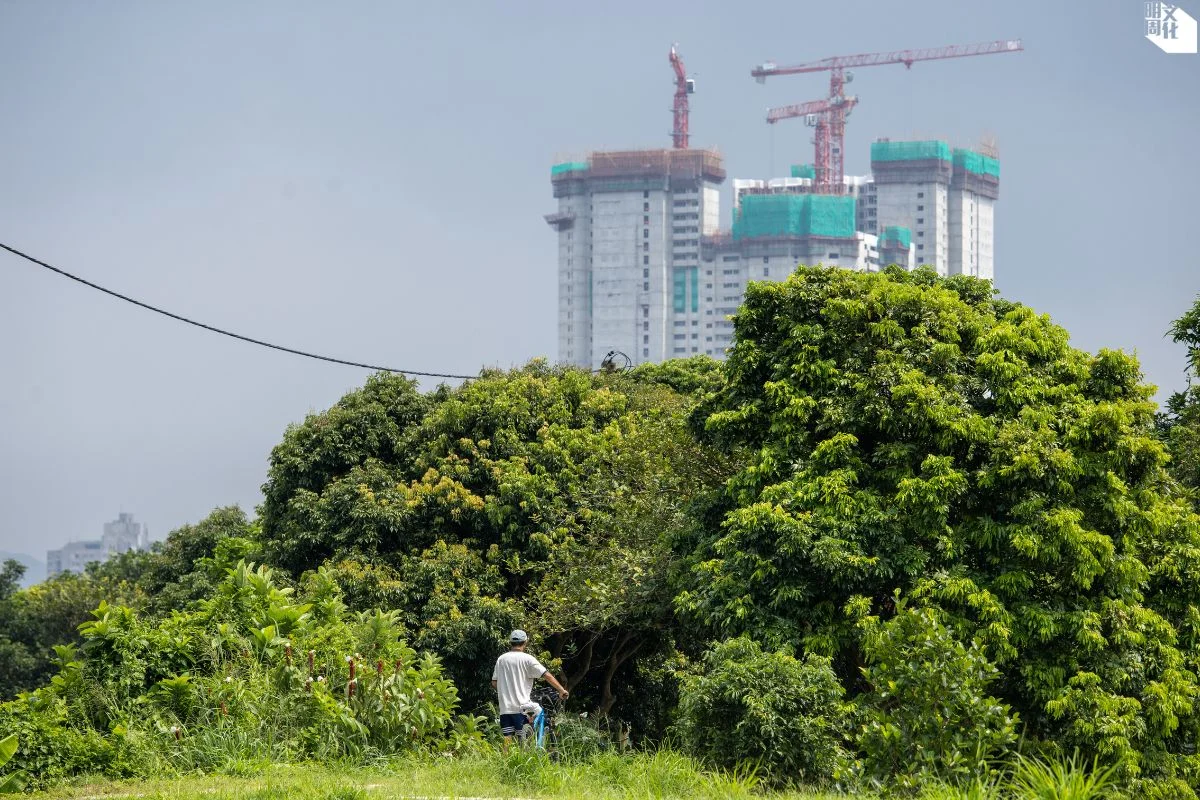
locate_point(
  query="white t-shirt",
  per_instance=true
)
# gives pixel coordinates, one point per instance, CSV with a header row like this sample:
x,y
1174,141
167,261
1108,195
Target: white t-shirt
x,y
514,675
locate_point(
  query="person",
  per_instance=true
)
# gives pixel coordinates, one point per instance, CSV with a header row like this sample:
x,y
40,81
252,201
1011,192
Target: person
x,y
513,678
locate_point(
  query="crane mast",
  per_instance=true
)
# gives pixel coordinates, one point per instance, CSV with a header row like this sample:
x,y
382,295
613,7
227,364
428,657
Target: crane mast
x,y
683,87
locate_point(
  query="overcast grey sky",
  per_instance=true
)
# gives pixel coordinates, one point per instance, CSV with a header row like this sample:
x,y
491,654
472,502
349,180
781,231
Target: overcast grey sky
x,y
368,180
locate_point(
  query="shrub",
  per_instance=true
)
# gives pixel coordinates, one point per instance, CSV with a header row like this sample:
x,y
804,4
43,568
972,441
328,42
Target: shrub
x,y
928,713
1060,779
250,675
746,705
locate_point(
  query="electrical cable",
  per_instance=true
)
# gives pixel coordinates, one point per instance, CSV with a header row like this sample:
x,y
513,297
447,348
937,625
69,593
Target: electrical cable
x,y
230,334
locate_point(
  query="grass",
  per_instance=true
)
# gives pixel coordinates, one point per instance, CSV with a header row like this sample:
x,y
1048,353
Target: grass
x,y
520,774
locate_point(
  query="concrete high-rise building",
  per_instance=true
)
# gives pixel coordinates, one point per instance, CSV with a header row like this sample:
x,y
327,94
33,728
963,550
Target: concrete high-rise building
x,y
629,228
944,197
120,536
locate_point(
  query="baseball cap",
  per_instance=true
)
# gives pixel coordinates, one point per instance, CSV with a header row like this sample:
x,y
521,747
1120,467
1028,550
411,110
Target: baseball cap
x,y
518,636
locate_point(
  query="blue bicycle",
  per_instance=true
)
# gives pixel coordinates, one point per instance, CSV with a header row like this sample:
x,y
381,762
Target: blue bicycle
x,y
540,726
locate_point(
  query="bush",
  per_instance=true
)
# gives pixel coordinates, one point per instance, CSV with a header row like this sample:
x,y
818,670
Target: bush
x,y
250,675
783,714
928,713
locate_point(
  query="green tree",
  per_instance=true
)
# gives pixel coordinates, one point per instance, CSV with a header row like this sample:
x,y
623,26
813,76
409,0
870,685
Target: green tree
x,y
539,496
1180,423
917,434
193,559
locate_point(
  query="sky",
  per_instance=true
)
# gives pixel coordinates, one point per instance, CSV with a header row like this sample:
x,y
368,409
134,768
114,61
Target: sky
x,y
367,180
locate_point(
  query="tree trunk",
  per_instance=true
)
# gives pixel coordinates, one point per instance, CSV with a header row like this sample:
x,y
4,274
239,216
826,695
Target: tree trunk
x,y
584,660
615,659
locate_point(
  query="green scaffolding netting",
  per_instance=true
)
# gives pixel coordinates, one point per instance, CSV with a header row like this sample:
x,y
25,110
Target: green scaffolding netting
x,y
568,166
679,284
794,215
910,151
804,171
694,277
894,235
976,162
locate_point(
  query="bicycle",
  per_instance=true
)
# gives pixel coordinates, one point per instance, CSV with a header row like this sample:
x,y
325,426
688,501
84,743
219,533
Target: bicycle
x,y
541,723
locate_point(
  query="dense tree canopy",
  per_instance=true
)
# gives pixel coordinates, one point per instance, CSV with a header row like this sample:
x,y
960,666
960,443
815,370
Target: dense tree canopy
x,y
545,497
920,435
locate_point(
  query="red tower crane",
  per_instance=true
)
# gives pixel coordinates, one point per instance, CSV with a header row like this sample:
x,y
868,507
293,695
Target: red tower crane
x,y
817,113
683,87
830,162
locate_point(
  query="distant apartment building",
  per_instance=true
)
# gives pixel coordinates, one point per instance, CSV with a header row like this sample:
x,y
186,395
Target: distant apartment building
x,y
120,536
644,270
629,228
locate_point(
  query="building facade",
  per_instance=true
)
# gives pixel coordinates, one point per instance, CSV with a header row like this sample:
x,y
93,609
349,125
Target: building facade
x,y
629,227
120,536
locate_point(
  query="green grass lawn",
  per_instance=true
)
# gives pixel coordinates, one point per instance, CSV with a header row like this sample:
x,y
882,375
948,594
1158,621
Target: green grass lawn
x,y
519,775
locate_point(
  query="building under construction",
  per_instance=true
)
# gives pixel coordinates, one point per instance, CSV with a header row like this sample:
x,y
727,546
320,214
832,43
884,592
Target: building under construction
x,y
629,228
644,270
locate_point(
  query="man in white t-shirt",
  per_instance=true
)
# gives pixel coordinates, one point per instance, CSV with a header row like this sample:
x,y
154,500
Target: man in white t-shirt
x,y
513,678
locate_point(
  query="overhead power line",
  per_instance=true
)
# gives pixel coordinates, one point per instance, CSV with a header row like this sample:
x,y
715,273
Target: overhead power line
x,y
223,332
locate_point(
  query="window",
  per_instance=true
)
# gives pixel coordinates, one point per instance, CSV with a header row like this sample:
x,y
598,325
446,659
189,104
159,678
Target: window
x,y
695,336
766,259
920,220
766,272
646,193
645,273
693,349
921,234
645,259
679,337
645,340
645,351
646,286
920,208
645,206
920,195
645,247
708,286
920,247
645,311
708,338
645,233
646,220
645,326
833,255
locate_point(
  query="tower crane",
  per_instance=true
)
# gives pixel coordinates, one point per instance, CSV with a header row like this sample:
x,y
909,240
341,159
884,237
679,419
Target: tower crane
x,y
817,114
683,87
830,163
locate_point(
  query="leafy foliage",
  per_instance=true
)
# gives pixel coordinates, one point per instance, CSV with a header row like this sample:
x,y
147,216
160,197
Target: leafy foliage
x,y
251,672
782,714
545,498
1180,423
917,434
11,783
927,715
